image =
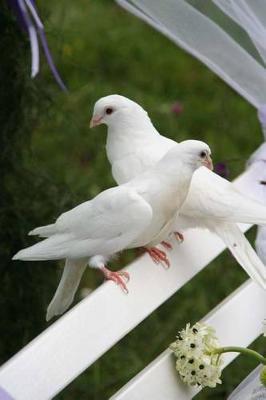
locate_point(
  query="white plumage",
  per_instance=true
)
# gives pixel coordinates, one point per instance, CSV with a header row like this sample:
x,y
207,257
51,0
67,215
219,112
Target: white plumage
x,y
133,145
137,213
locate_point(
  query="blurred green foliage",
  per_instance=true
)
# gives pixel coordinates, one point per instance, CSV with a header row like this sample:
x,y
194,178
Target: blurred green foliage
x,y
100,49
27,196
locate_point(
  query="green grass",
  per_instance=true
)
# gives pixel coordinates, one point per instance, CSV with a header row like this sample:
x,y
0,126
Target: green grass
x,y
100,50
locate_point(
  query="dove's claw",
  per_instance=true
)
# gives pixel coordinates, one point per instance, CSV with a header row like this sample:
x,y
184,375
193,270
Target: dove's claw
x,y
158,256
125,275
166,245
179,237
116,277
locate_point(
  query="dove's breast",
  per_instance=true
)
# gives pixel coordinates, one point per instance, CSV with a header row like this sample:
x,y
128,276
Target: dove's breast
x,y
165,200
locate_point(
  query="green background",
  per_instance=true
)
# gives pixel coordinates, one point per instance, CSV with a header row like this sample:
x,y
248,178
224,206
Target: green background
x,y
99,50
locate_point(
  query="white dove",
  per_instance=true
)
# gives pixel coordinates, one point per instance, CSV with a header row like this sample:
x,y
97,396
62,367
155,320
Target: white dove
x,y
133,145
136,214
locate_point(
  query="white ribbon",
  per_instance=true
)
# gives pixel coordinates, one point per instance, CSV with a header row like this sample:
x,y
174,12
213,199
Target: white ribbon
x,y
192,29
257,167
247,14
250,388
35,56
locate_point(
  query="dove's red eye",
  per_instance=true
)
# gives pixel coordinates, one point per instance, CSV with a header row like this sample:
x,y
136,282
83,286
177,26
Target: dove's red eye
x,y
109,110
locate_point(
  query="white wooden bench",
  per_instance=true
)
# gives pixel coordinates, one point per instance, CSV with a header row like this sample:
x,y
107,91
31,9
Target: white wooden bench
x,y
69,346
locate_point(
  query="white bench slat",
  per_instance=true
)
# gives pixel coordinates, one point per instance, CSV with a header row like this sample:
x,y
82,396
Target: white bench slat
x,y
237,320
53,359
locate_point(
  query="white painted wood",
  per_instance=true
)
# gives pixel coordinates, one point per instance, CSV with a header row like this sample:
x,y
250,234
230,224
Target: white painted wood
x,y
51,361
237,320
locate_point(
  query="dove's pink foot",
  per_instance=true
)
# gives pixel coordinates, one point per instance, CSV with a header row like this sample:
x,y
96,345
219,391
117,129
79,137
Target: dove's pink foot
x,y
117,277
179,237
166,245
158,256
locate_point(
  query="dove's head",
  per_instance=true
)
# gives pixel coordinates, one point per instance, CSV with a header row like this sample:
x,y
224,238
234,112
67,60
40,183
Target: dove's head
x,y
190,153
196,153
118,111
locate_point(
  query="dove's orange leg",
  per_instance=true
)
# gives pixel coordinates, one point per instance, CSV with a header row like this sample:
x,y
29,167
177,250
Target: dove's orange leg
x,y
158,256
179,237
166,245
116,277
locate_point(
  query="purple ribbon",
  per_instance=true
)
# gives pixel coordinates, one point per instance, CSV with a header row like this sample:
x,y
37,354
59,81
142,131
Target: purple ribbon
x,y
29,20
4,395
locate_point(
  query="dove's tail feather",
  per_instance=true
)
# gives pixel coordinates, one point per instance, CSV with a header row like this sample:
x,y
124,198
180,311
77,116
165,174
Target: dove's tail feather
x,y
53,248
67,288
260,243
243,252
44,231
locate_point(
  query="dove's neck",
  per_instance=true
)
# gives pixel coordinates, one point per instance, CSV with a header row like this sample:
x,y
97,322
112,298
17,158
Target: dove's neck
x,y
129,133
174,168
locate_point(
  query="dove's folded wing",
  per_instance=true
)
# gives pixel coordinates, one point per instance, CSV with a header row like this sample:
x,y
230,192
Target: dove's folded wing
x,y
118,212
105,225
211,196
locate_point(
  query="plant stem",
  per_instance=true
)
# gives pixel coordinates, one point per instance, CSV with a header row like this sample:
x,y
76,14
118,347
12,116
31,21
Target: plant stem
x,y
243,350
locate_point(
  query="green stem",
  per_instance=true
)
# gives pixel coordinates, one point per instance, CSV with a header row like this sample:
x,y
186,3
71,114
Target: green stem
x,y
243,350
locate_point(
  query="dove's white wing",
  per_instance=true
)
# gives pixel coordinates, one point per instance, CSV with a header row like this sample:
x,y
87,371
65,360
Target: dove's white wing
x,y
75,220
211,196
212,202
105,225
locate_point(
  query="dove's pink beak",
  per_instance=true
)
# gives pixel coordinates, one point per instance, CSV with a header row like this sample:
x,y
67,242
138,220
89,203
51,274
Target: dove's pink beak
x,y
208,163
95,121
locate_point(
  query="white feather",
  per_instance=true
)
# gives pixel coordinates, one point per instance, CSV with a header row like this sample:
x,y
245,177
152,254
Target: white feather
x,y
242,250
136,146
138,213
67,288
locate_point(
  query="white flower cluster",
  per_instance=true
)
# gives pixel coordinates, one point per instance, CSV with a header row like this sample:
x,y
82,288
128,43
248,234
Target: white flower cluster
x,y
195,363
